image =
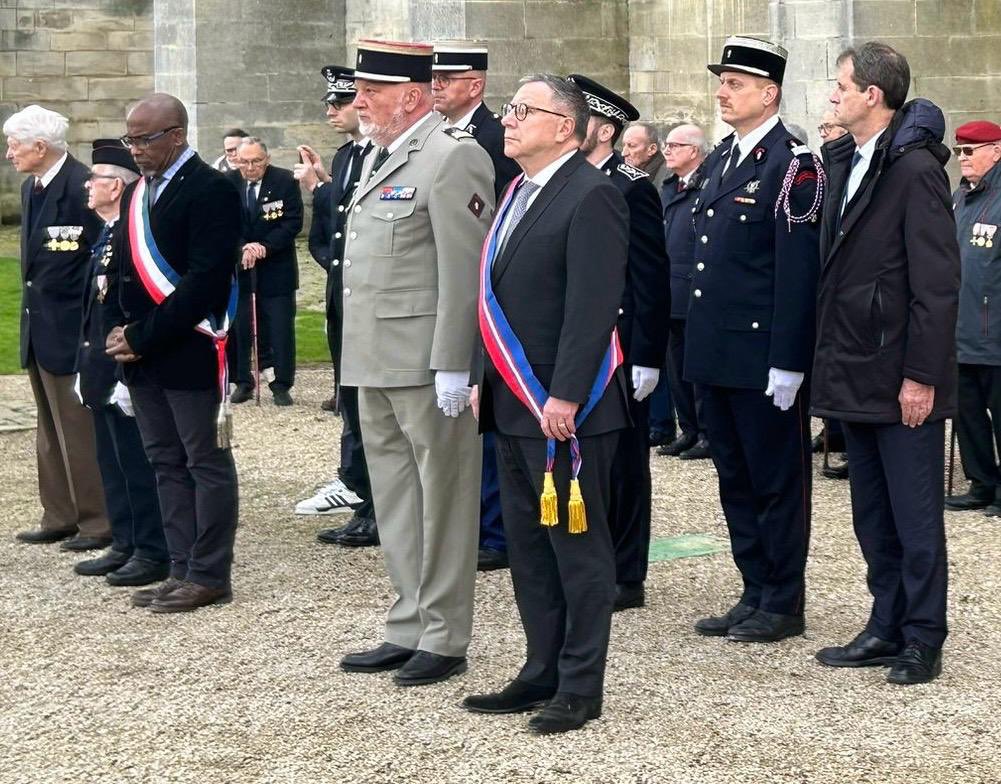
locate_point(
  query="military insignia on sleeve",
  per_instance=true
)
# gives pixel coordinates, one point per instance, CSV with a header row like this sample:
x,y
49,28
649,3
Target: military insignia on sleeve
x,y
631,172
458,133
397,193
476,205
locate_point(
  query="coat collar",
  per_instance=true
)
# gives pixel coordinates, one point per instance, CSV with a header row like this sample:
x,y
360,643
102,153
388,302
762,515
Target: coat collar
x,y
413,143
748,169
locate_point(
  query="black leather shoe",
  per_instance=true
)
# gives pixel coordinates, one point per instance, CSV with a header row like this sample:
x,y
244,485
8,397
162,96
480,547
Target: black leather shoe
x,y
834,443
386,657
488,559
679,445
364,534
79,544
864,651
331,535
330,404
144,597
767,627
698,452
516,697
994,510
281,396
628,596
961,503
719,625
658,437
565,712
424,667
98,567
44,535
918,663
835,471
242,394
139,571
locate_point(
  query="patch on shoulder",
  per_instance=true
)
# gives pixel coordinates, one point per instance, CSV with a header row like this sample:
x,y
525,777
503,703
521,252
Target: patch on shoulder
x,y
631,171
797,147
458,133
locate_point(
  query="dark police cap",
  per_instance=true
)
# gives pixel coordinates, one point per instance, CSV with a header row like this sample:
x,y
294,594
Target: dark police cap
x,y
114,153
393,61
754,56
340,82
457,56
603,101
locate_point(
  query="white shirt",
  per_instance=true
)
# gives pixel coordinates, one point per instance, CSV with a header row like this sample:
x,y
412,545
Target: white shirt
x,y
167,176
603,161
858,173
541,178
749,142
50,175
398,141
463,122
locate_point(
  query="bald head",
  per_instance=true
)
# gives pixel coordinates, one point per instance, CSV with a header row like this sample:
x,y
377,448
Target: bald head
x,y
164,108
157,131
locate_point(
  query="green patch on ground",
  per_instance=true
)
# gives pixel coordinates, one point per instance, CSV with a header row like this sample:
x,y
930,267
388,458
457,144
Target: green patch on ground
x,y
310,339
10,306
685,546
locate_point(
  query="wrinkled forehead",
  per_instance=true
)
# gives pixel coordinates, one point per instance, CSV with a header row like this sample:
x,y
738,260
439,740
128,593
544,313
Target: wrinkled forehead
x,y
637,135
252,150
535,94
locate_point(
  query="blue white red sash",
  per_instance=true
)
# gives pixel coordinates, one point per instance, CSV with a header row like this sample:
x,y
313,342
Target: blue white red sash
x,y
508,357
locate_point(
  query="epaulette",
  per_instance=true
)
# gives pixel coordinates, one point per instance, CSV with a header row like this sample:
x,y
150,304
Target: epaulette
x,y
458,133
631,171
796,147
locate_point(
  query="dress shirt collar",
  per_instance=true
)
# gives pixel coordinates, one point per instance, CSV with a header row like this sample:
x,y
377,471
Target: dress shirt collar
x,y
50,175
866,150
752,139
463,122
543,176
182,159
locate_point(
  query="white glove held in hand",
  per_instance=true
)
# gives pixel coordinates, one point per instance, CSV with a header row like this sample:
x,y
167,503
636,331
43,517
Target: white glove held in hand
x,y
121,398
783,385
644,381
453,390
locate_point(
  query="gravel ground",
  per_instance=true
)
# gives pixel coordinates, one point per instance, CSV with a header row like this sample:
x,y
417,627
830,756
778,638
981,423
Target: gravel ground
x,y
95,691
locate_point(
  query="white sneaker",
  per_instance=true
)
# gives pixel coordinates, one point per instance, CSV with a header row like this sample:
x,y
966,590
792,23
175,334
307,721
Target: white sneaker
x,y
332,498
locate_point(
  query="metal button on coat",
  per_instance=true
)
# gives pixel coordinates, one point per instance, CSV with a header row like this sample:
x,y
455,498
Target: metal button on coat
x,y
389,215
743,218
340,208
27,283
336,262
347,292
697,292
710,212
704,239
358,208
700,266
354,235
347,262
337,235
754,325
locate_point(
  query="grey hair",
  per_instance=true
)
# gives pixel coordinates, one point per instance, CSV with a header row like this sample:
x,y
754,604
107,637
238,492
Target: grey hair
x,y
253,140
652,134
693,134
127,176
566,96
34,123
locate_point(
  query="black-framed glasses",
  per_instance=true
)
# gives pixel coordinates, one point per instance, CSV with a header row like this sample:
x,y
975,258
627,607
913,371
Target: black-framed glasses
x,y
522,110
967,149
251,162
445,80
339,103
672,146
148,139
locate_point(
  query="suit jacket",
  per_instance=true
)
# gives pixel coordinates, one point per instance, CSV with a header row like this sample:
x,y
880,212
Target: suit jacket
x,y
559,281
644,317
55,280
489,133
275,223
755,287
411,259
98,371
196,225
679,236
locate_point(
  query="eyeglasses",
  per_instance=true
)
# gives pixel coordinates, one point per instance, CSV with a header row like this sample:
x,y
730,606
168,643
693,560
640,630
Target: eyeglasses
x,y
522,110
251,162
445,81
148,139
672,146
339,103
966,150
826,128
94,176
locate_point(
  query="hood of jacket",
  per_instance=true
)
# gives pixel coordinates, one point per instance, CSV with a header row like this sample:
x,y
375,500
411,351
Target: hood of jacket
x,y
918,124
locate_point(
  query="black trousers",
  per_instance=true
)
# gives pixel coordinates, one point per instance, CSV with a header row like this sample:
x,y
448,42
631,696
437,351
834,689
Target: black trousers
x,y
564,583
196,480
355,470
129,486
630,508
978,427
686,397
763,460
275,338
897,497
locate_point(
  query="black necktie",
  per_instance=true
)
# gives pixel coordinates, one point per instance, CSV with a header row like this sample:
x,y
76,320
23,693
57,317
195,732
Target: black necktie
x,y
251,199
731,163
354,169
380,158
35,202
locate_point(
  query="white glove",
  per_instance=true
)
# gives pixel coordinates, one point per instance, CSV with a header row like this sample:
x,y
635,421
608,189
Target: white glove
x,y
644,381
121,398
783,384
453,391
76,388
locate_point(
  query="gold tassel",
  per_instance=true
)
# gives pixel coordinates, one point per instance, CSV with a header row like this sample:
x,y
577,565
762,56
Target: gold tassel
x,y
224,426
575,510
548,500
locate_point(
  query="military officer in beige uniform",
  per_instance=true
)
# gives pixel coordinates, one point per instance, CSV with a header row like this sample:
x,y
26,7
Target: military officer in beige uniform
x,y
411,261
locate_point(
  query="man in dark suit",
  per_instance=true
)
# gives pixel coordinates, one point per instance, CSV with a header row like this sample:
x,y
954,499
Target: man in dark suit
x,y
643,328
168,331
57,231
138,553
886,352
556,260
749,339
272,219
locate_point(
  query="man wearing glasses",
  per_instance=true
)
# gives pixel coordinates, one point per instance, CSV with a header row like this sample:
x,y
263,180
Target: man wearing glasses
x,y
230,144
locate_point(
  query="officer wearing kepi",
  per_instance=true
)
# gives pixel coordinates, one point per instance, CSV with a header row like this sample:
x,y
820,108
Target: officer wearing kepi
x,y
749,337
643,325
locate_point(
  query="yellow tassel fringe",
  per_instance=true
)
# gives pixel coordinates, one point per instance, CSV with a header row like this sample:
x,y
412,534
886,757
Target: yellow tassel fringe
x,y
575,509
548,500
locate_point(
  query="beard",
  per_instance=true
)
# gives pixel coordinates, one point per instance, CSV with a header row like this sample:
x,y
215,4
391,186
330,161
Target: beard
x,y
384,134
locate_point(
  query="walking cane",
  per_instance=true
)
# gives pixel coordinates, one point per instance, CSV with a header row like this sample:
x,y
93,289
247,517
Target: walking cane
x,y
952,454
253,334
827,451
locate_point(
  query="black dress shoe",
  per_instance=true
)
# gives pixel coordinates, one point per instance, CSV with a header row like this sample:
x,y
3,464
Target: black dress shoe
x,y
864,651
516,697
658,437
281,396
835,471
139,571
679,445
364,534
565,712
767,627
488,559
966,501
242,394
331,535
79,544
994,510
628,596
424,667
719,625
834,443
386,657
698,452
330,404
918,663
45,535
98,567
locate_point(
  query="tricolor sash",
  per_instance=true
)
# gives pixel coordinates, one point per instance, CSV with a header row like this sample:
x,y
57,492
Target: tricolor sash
x,y
160,280
508,356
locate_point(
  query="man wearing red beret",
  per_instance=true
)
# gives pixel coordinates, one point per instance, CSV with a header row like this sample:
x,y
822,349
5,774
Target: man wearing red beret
x,y
977,206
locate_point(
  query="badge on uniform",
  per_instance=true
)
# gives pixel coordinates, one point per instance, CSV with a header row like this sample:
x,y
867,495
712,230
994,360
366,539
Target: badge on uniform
x,y
273,210
397,193
476,205
752,186
63,238
744,200
983,235
759,153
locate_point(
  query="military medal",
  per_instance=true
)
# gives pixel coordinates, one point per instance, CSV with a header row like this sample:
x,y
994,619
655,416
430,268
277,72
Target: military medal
x,y
53,243
74,235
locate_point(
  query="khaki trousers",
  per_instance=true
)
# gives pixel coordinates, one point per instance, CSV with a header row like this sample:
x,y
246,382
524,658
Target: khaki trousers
x,y
425,471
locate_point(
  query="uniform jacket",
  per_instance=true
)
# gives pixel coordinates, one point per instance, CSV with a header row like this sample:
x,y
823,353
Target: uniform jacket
x,y
559,282
679,236
411,259
98,371
55,279
889,285
755,278
644,314
196,224
489,133
978,216
275,223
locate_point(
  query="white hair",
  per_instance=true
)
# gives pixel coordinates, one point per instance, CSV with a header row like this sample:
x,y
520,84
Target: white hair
x,y
34,123
127,176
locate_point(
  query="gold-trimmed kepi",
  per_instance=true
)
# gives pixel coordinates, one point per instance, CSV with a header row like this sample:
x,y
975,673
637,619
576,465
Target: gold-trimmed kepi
x,y
754,56
393,61
458,56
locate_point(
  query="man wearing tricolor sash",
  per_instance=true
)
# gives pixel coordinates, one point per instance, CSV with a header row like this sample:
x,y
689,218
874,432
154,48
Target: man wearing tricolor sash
x,y
552,389
168,311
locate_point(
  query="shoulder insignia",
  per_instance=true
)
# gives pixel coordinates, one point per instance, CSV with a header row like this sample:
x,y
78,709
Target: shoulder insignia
x,y
458,133
759,153
797,147
471,129
631,171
